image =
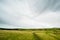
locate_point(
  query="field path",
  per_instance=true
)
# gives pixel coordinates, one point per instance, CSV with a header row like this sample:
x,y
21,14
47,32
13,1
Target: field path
x,y
45,36
36,37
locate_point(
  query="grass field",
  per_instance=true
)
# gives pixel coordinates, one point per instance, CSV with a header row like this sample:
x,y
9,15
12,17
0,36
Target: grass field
x,y
30,34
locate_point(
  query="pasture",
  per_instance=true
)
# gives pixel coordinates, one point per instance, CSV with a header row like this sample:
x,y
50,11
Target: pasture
x,y
43,34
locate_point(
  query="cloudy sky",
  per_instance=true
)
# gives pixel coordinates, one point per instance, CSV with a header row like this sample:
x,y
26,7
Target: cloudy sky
x,y
29,13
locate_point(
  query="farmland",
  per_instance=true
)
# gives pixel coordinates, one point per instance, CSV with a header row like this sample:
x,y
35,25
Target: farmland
x,y
49,34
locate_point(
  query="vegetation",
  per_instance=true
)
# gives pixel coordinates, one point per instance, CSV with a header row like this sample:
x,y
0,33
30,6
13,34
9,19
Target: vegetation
x,y
30,34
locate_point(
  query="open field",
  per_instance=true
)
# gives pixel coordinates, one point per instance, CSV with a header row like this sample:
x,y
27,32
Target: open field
x,y
30,34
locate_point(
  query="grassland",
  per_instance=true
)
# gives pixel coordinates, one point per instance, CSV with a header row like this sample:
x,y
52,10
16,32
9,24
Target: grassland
x,y
49,34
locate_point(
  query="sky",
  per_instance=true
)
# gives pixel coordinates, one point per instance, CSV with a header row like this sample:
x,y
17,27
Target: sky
x,y
29,13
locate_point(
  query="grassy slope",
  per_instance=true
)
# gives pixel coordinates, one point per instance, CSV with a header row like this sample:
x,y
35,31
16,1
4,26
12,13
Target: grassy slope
x,y
29,35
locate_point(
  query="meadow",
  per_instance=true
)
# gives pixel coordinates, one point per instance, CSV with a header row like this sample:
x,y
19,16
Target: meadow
x,y
30,34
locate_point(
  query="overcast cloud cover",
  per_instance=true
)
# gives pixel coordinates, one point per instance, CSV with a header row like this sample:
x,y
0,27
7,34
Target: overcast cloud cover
x,y
29,13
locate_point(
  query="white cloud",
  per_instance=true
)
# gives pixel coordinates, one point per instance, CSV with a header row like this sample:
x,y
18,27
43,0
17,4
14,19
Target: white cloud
x,y
26,14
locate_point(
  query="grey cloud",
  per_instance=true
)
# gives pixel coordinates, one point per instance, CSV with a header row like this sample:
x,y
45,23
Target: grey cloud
x,y
30,13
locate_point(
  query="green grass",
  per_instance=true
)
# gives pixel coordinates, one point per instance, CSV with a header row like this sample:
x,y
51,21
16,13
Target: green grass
x,y
30,35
